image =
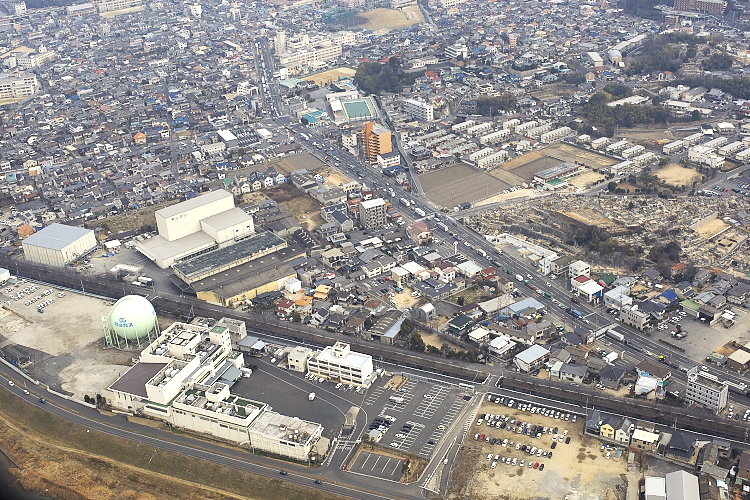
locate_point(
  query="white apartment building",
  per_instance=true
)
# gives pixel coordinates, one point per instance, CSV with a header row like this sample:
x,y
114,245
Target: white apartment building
x,y
557,134
579,268
632,151
493,159
673,147
445,4
706,391
339,363
184,378
460,127
372,213
479,128
422,111
321,52
17,85
634,317
110,5
494,137
522,128
456,50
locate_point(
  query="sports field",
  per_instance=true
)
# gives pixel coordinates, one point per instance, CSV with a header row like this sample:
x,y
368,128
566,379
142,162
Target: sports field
x,y
459,183
389,18
529,164
330,76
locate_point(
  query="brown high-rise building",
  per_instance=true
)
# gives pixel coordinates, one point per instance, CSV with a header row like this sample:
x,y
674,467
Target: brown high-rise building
x,y
375,140
713,7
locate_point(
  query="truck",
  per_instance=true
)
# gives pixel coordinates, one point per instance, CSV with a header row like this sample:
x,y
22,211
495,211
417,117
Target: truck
x,y
615,335
405,202
481,252
420,212
146,280
576,313
311,396
611,357
519,278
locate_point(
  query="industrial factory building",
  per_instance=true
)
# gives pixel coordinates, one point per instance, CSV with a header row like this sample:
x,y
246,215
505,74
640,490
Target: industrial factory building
x,y
184,377
196,226
59,245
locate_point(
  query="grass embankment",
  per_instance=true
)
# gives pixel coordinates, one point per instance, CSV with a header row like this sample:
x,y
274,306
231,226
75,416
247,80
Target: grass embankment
x,y
63,460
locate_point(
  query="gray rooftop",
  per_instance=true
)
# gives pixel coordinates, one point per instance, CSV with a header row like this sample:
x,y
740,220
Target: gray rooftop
x,y
56,236
241,250
192,203
134,380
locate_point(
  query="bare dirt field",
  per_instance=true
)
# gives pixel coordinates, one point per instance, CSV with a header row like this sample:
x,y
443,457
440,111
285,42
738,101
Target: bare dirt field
x,y
677,175
527,165
578,471
134,219
711,228
301,206
642,134
521,193
70,342
389,18
334,176
459,183
586,178
331,75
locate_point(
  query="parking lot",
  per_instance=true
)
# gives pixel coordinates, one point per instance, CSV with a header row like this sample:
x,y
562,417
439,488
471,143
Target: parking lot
x,y
378,465
541,445
422,412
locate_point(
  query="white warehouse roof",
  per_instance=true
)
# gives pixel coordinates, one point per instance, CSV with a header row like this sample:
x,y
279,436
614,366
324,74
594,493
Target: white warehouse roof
x,y
57,236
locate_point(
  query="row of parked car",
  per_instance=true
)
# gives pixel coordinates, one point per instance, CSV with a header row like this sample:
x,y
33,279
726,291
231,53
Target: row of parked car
x,y
514,461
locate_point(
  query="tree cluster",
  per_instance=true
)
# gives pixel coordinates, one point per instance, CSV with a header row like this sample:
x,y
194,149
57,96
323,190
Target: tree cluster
x,y
738,87
489,106
718,61
606,118
376,78
665,53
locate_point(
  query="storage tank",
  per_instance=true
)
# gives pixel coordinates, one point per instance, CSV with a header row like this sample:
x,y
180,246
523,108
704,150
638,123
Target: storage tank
x,y
132,318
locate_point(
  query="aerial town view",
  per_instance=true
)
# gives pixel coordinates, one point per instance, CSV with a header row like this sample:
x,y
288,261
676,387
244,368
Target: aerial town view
x,y
375,249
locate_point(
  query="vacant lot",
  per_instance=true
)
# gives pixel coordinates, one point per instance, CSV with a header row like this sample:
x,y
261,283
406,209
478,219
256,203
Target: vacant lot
x,y
586,178
711,228
300,205
68,342
134,219
677,175
577,470
330,76
460,183
389,18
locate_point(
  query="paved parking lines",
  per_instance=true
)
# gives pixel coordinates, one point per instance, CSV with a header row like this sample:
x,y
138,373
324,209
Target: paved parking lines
x,y
440,430
404,444
432,401
373,395
405,393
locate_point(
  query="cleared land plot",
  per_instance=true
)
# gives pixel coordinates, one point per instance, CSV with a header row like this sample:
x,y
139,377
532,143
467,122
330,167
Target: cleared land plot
x,y
70,341
529,164
301,206
389,18
521,193
331,75
460,183
578,469
677,175
712,228
586,178
135,219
